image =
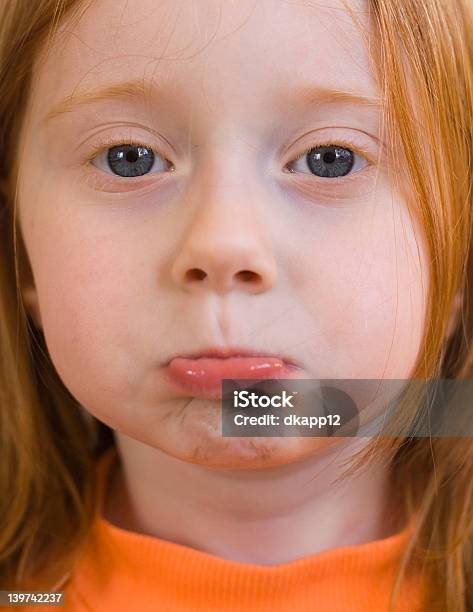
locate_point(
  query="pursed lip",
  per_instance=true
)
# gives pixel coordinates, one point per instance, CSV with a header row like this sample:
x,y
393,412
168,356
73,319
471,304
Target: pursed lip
x,y
227,352
201,373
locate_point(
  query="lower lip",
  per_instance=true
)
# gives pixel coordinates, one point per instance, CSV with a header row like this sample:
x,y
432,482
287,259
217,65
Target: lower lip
x,y
203,377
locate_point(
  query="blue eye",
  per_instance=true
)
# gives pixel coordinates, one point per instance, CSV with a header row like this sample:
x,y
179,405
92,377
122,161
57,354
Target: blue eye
x,y
130,160
330,161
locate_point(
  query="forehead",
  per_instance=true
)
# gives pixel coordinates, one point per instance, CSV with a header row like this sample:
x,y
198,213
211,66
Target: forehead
x,y
229,51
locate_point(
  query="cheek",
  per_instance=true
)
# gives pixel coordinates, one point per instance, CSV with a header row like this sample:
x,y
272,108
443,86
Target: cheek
x,y
89,286
393,280
368,294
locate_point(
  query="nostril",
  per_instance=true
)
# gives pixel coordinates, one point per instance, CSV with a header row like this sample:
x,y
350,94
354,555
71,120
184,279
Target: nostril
x,y
247,275
195,274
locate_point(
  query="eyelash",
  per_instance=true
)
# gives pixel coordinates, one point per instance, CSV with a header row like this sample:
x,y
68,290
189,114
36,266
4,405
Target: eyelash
x,y
334,142
109,142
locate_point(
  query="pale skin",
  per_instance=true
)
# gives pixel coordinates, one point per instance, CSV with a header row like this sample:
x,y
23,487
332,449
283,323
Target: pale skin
x,y
337,280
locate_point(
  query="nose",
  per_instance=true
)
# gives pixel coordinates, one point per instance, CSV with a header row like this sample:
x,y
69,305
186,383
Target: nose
x,y
225,248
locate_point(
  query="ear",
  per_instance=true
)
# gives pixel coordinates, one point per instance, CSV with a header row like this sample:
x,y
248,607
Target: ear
x,y
454,316
27,286
30,300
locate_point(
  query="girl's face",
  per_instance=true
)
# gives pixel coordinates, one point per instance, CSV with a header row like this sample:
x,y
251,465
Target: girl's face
x,y
227,97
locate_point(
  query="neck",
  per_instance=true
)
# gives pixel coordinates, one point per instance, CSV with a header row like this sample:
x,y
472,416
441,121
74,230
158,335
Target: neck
x,y
264,516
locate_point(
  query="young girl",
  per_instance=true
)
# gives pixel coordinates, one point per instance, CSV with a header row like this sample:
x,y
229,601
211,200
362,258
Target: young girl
x,y
193,191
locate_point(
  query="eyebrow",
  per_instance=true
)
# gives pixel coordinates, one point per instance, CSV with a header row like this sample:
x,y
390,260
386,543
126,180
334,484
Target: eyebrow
x,y
130,89
139,89
325,95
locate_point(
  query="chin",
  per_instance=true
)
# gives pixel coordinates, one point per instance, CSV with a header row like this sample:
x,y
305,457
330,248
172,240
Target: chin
x,y
245,452
191,431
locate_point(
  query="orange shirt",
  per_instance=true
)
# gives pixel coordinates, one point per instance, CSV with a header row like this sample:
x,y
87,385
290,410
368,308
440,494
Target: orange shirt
x,y
123,571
